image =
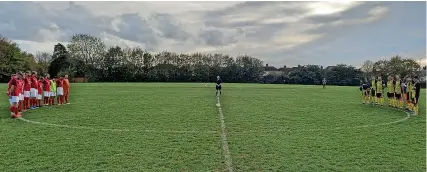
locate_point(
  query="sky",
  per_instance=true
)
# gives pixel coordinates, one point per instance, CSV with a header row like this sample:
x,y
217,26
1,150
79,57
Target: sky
x,y
278,33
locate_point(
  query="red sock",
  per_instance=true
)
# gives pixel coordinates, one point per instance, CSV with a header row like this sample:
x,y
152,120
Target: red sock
x,y
28,102
62,99
20,106
25,103
66,98
12,109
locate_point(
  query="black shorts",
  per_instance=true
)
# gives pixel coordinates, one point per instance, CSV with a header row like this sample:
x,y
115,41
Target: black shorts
x,y
390,95
218,87
372,92
398,96
365,92
379,95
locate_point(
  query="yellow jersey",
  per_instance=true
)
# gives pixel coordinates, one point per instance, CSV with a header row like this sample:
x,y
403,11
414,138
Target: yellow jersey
x,y
379,86
390,87
408,87
373,84
413,90
398,87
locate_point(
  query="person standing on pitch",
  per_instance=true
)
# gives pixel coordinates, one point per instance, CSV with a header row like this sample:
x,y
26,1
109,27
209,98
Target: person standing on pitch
x,y
365,91
373,89
27,90
40,92
398,92
407,89
218,85
324,83
59,90
415,95
34,91
66,86
46,90
21,92
52,91
9,86
390,91
379,91
13,94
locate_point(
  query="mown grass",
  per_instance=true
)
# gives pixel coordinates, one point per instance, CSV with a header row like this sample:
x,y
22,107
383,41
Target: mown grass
x,y
269,128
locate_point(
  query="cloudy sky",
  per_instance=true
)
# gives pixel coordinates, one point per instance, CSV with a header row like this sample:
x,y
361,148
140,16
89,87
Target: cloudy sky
x,y
279,33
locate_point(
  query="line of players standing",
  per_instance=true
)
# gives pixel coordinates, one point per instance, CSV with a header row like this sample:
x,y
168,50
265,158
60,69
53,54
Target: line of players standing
x,y
25,91
399,92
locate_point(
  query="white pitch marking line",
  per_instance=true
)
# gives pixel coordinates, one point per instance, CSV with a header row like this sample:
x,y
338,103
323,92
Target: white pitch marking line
x,y
109,129
227,154
331,129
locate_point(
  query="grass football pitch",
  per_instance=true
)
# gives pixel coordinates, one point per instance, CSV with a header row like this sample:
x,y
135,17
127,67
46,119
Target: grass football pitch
x,y
178,127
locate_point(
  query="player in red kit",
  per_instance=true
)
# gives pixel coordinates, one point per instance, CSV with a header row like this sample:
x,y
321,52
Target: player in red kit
x,y
27,89
14,97
21,96
9,85
33,91
46,90
66,86
20,88
39,92
60,90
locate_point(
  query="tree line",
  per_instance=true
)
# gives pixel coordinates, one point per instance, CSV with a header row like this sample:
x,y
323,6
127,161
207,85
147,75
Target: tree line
x,y
88,56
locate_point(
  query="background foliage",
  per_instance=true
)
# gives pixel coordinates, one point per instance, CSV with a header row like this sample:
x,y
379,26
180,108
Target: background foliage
x,y
88,56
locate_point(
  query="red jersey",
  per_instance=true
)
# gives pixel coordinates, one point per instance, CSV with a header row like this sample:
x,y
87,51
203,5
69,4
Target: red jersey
x,y
14,82
66,84
19,87
22,86
59,83
34,82
40,85
27,83
46,84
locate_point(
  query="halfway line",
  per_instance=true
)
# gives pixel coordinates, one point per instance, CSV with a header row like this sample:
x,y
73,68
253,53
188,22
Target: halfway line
x,y
110,129
227,154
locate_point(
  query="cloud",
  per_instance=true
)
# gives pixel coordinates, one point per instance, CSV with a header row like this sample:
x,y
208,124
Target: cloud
x,y
279,33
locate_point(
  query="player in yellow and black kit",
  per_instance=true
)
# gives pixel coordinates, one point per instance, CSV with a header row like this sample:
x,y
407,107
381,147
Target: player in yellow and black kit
x,y
398,92
390,91
415,95
365,91
379,91
373,89
407,91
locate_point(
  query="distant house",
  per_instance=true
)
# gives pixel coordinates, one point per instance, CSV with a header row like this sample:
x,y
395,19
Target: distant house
x,y
272,73
271,70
